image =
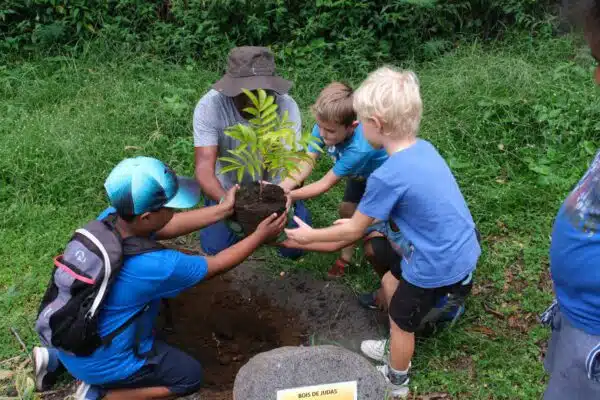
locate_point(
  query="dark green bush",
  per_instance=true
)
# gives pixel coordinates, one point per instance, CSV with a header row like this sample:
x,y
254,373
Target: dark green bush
x,y
352,31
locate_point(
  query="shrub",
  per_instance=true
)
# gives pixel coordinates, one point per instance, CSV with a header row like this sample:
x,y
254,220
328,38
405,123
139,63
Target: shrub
x,y
353,32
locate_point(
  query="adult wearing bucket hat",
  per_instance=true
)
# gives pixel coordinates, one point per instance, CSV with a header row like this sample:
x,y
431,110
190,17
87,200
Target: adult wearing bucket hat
x,y
247,68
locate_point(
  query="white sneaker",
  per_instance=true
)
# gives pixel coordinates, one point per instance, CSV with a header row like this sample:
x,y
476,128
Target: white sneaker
x,y
40,362
375,349
396,391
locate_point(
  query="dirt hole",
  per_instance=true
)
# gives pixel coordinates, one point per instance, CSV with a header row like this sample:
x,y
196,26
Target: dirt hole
x,y
224,326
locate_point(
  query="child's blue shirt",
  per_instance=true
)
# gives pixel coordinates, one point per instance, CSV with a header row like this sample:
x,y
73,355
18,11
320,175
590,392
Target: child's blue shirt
x,y
416,190
143,280
354,157
575,253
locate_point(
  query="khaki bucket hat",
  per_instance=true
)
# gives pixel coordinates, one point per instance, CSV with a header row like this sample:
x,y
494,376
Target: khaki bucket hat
x,y
251,68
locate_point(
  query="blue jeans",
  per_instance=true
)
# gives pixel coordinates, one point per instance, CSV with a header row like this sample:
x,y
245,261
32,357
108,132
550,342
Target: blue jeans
x,y
217,237
572,360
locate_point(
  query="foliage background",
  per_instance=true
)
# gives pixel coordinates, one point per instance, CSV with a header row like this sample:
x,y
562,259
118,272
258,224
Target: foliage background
x,y
352,32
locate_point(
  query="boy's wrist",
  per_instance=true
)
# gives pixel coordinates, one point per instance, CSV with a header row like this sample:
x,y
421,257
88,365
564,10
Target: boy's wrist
x,y
224,209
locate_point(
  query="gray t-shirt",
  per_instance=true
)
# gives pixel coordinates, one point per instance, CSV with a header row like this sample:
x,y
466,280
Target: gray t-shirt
x,y
216,112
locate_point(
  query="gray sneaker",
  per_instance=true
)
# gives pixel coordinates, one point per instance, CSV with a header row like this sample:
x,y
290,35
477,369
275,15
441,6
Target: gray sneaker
x,y
397,389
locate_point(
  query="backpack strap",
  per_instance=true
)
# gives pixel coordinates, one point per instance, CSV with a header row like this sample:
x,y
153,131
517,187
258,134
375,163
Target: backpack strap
x,y
107,340
132,245
107,269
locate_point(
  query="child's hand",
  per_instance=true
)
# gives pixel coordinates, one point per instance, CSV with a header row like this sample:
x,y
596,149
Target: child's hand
x,y
228,201
301,234
271,226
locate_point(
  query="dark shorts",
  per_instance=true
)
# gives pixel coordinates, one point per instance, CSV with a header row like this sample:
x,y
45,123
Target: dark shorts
x,y
168,367
412,306
355,189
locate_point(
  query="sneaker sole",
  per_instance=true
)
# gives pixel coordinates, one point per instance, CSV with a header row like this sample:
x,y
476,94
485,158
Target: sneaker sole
x,y
40,359
399,393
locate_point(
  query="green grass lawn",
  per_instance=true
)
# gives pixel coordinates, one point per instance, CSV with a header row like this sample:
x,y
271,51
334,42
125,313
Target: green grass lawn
x,y
518,126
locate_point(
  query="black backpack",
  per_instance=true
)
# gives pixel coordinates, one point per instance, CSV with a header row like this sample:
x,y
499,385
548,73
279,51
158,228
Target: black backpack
x,y
68,315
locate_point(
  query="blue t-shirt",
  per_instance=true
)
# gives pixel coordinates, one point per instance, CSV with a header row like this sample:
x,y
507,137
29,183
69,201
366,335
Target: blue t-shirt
x,y
354,157
143,280
575,253
417,191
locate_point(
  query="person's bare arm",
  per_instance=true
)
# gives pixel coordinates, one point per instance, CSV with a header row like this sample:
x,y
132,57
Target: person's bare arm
x,y
187,222
316,188
206,158
350,230
327,247
234,255
306,168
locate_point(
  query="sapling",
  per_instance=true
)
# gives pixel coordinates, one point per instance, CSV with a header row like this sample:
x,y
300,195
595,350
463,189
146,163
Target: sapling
x,y
268,146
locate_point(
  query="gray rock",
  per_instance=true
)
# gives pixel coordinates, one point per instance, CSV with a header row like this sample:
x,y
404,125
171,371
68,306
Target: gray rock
x,y
291,367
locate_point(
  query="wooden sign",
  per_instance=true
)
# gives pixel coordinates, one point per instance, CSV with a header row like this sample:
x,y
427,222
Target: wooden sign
x,y
330,391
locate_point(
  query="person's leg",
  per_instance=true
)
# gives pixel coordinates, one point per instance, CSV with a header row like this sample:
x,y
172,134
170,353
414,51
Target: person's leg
x,y
378,349
216,237
573,362
302,212
382,257
169,373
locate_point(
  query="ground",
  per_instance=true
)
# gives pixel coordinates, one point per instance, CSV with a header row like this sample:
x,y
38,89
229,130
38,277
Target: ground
x,y
517,123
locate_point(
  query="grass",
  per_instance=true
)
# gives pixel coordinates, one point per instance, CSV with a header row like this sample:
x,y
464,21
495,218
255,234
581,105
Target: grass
x,y
518,126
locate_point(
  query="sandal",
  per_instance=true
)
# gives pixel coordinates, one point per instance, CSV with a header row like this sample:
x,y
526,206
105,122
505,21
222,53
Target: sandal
x,y
337,270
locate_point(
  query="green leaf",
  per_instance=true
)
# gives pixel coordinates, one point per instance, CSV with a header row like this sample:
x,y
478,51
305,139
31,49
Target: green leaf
x,y
262,96
230,160
251,110
240,174
252,98
267,120
271,110
268,103
230,168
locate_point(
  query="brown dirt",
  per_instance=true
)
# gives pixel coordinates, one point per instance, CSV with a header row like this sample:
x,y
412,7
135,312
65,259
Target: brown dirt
x,y
224,328
252,206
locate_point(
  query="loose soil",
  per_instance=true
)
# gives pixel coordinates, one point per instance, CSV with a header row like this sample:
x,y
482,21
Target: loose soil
x,y
227,320
252,206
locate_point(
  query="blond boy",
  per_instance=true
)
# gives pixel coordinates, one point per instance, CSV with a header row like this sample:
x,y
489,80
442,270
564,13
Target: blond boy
x,y
354,158
429,223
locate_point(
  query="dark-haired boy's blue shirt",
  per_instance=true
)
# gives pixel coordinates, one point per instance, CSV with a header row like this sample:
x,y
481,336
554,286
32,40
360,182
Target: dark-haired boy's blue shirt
x,y
143,280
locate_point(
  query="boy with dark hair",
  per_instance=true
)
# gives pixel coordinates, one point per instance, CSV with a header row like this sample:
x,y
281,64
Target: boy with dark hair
x,y
143,194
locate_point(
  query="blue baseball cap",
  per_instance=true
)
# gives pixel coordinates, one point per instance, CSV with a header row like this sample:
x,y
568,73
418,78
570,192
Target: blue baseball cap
x,y
144,184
